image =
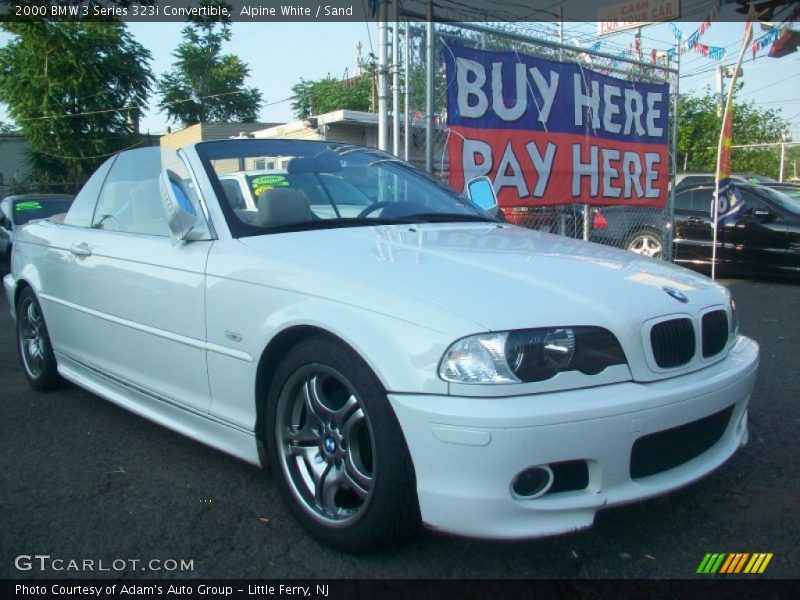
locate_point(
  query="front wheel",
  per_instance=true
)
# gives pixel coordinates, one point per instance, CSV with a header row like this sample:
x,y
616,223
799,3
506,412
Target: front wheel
x,y
337,450
647,243
33,343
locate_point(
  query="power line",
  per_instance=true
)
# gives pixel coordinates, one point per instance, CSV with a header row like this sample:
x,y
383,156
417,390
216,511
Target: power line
x,y
143,107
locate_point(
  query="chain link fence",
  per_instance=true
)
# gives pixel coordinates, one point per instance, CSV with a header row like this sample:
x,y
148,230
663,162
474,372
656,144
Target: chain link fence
x,y
641,229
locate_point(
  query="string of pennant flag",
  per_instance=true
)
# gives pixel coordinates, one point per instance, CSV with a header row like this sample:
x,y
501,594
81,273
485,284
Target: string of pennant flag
x,y
693,41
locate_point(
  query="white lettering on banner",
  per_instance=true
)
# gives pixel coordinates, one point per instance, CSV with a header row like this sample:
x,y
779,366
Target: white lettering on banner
x,y
592,101
609,93
473,102
515,178
651,159
472,169
609,173
633,114
467,88
632,178
514,113
548,92
652,114
542,164
612,173
580,169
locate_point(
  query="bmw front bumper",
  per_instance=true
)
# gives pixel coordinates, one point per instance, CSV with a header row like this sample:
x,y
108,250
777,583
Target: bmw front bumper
x,y
468,451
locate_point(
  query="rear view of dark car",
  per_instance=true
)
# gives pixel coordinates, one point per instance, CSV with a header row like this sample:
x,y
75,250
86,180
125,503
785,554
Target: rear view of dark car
x,y
765,237
15,211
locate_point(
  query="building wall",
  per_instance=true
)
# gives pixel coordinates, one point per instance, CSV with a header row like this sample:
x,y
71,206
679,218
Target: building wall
x,y
203,132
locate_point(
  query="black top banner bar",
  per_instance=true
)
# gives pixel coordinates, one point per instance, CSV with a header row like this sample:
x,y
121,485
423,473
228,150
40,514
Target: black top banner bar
x,y
622,12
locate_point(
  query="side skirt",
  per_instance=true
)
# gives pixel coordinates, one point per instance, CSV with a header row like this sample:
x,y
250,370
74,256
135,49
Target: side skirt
x,y
202,427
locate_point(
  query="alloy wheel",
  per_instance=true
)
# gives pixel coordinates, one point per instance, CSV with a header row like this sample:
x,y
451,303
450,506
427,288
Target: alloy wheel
x,y
32,337
646,244
326,445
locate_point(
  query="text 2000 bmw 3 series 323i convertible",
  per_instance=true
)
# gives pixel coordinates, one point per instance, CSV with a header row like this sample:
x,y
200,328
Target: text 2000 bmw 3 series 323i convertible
x,y
396,354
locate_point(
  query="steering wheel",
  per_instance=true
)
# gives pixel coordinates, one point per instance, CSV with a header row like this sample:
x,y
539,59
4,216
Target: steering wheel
x,y
372,208
113,216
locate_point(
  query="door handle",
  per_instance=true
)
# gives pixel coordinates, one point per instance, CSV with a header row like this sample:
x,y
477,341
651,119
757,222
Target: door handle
x,y
694,220
82,249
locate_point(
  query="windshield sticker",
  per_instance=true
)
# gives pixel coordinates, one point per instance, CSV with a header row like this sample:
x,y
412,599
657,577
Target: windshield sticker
x,y
31,205
267,182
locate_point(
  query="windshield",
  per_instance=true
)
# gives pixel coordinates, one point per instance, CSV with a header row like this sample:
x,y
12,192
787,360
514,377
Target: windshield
x,y
791,192
781,199
759,179
272,186
29,209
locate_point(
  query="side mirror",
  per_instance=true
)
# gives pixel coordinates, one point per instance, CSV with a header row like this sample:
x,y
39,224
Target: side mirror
x,y
4,222
178,209
763,214
482,195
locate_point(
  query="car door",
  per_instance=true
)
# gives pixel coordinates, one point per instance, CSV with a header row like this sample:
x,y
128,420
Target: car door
x,y
138,298
693,227
759,237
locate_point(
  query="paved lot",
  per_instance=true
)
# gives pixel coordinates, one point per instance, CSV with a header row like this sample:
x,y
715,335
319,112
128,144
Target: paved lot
x,y
83,479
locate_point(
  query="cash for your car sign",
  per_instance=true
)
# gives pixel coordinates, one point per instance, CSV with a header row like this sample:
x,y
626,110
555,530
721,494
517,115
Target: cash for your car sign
x,y
551,133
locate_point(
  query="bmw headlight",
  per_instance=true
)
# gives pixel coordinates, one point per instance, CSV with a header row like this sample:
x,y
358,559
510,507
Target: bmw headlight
x,y
529,355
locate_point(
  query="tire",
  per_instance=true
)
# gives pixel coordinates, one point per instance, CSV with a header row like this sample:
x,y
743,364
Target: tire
x,y
646,242
33,344
334,444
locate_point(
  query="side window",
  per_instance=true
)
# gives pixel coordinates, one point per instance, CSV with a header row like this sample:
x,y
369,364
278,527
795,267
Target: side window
x,y
130,200
82,209
752,203
701,200
683,201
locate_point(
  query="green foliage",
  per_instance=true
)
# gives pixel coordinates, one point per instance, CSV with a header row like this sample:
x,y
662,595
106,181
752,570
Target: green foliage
x,y
204,84
317,97
699,128
65,85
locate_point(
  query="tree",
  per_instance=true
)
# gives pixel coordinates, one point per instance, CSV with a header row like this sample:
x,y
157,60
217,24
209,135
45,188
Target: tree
x,y
699,127
316,97
74,91
204,84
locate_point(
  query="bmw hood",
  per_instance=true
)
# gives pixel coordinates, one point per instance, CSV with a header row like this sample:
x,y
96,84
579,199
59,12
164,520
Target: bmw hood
x,y
499,277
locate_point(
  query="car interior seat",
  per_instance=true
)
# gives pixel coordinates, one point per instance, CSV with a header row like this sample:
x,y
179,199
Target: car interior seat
x,y
282,206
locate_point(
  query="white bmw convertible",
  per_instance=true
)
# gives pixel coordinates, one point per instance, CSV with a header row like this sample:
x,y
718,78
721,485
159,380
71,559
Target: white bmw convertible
x,y
409,360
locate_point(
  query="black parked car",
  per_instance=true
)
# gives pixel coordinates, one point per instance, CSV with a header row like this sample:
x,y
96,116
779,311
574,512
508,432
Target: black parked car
x,y
764,238
18,210
789,189
635,228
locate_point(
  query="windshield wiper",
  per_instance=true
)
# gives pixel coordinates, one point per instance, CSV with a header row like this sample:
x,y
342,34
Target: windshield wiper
x,y
332,224
449,218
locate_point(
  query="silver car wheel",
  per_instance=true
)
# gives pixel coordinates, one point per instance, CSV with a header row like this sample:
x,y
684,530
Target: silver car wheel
x,y
646,244
326,445
31,339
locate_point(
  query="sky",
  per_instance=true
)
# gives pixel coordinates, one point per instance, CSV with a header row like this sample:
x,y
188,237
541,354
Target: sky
x,y
279,54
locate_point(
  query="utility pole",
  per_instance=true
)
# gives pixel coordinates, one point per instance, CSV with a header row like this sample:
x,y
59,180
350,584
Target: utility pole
x,y
407,92
429,90
670,233
383,121
396,77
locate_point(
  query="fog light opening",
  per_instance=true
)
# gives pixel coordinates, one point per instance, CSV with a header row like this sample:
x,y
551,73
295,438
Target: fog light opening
x,y
532,482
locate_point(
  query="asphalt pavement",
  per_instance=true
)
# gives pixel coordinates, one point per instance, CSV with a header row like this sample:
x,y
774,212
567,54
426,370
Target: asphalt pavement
x,y
81,479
